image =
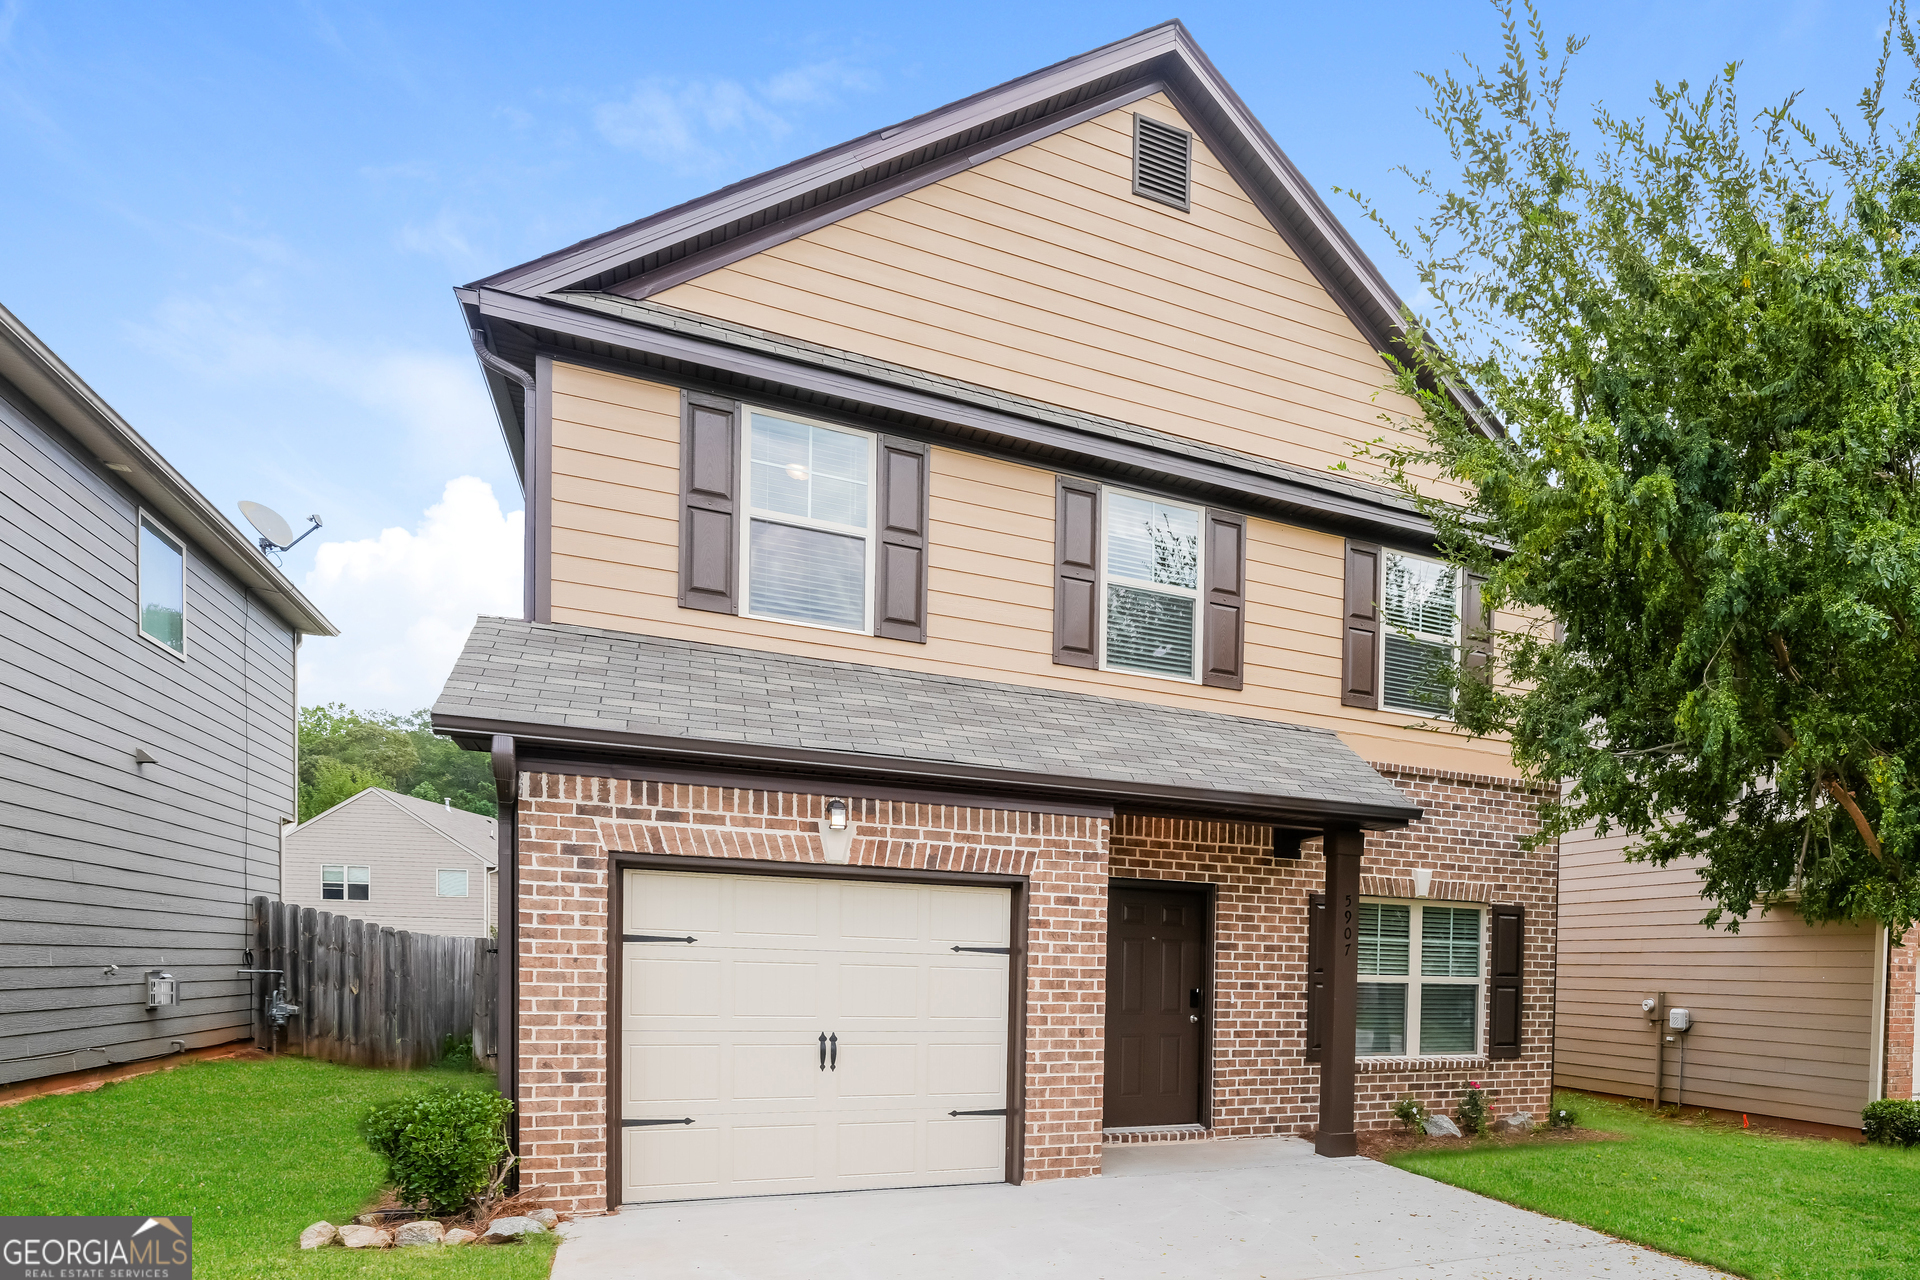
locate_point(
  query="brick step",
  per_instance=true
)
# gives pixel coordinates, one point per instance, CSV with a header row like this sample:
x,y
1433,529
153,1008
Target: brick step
x,y
1158,1133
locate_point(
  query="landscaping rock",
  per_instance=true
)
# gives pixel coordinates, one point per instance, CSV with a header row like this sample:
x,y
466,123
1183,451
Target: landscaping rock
x,y
319,1235
359,1237
424,1232
459,1235
1441,1127
509,1230
1518,1122
546,1218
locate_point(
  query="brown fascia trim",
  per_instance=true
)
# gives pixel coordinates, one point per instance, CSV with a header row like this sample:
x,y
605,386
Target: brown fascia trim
x,y
609,337
614,746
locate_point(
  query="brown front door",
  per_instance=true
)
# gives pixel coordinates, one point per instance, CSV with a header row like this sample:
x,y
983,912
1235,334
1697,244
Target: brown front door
x,y
1156,1005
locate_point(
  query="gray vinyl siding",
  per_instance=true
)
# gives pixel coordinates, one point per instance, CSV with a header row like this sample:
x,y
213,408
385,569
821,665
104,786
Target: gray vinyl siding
x,y
403,855
101,861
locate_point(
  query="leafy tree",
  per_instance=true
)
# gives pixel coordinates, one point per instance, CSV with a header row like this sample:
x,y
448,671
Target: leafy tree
x,y
1698,348
343,752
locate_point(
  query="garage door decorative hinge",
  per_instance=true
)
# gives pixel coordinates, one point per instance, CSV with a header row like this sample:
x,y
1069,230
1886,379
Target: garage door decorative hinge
x,y
652,937
1002,1111
635,1124
988,951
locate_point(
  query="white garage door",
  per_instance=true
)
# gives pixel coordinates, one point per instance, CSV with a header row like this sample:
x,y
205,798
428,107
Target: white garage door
x,y
783,1035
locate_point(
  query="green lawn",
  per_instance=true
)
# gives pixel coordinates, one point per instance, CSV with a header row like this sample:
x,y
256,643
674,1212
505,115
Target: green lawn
x,y
1758,1205
254,1151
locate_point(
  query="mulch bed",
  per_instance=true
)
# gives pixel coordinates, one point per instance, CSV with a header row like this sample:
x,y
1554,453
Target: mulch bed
x,y
1384,1144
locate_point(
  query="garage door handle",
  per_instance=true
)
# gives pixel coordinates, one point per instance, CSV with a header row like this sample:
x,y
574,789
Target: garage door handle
x,y
988,951
834,1059
635,1124
1002,1111
823,1051
652,937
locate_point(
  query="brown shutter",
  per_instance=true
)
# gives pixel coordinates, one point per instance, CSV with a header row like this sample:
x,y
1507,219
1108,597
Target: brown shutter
x,y
1476,630
1503,1000
1316,975
1360,636
709,481
900,577
1224,630
1076,564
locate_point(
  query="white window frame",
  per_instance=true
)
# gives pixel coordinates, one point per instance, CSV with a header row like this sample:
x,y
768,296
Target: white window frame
x,y
1424,637
346,871
143,518
749,513
1103,576
1415,981
449,871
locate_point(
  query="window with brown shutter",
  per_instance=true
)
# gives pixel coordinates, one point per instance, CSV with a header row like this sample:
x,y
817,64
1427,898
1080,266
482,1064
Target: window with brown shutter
x,y
1360,643
1317,962
709,485
1076,564
1506,964
1224,628
900,577
1476,630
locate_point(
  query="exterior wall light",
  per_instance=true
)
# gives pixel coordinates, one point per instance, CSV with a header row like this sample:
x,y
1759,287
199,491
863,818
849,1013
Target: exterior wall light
x,y
836,815
836,833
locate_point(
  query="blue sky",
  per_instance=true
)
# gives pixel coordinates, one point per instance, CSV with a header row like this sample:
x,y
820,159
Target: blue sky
x,y
241,222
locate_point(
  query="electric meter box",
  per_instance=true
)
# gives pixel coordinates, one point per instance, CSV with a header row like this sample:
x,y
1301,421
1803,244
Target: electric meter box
x,y
1679,1020
161,989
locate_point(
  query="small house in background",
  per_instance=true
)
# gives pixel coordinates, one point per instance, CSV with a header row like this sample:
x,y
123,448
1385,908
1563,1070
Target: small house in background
x,y
396,861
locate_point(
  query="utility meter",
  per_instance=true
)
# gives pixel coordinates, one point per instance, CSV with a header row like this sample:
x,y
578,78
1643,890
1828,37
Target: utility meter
x,y
1679,1020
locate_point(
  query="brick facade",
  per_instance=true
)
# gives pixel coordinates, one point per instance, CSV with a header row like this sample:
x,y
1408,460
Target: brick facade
x,y
1902,962
570,827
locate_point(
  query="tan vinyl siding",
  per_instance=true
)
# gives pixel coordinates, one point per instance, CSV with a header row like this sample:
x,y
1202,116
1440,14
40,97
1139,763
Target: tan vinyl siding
x,y
1040,273
403,855
990,579
1783,1011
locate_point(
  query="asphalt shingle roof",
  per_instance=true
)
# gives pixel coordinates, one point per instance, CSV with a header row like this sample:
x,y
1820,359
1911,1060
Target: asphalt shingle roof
x,y
659,695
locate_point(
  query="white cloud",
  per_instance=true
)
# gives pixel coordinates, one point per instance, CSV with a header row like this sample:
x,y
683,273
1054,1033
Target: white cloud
x,y
698,123
405,601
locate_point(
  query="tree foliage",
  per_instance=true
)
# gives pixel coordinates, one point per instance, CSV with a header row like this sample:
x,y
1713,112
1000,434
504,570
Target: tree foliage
x,y
1698,450
344,752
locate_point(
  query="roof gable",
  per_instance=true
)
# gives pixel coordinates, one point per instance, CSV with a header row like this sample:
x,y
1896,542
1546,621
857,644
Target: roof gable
x,y
462,836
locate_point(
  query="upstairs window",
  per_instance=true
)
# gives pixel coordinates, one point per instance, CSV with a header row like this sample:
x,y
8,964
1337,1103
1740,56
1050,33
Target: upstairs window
x,y
809,521
1419,980
1420,610
1150,571
451,884
162,587
348,884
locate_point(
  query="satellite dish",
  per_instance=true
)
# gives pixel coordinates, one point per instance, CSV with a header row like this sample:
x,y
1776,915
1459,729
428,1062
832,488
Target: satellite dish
x,y
270,523
275,533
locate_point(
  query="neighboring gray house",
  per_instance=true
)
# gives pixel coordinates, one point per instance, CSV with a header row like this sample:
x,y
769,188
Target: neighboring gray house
x,y
147,712
397,861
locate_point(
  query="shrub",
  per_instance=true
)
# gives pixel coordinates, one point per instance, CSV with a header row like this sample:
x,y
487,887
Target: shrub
x,y
1893,1121
457,1054
1411,1112
1563,1118
1472,1112
440,1146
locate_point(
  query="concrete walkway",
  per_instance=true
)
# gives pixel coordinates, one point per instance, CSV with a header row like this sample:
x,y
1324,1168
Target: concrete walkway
x,y
1262,1207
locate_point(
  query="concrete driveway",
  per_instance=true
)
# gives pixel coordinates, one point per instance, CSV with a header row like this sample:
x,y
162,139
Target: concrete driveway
x,y
1262,1207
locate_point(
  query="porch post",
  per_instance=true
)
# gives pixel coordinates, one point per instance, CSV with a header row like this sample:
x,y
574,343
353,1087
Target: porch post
x,y
1343,848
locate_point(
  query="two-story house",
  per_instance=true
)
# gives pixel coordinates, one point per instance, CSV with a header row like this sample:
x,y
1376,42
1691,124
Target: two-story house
x,y
147,712
961,718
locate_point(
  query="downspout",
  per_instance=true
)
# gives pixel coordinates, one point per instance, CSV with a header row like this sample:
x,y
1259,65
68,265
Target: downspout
x,y
506,786
1877,1059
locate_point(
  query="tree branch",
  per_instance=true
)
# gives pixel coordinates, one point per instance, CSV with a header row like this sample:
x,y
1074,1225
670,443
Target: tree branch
x,y
1844,798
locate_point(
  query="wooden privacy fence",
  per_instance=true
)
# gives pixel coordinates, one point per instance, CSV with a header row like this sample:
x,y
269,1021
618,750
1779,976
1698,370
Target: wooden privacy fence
x,y
370,996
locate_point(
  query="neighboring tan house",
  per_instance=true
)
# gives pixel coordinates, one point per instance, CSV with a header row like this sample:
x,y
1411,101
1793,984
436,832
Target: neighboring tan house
x,y
952,672
1787,1020
396,861
147,711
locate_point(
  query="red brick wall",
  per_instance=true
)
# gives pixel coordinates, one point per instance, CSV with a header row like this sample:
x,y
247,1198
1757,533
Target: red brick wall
x,y
569,825
1901,962
1469,839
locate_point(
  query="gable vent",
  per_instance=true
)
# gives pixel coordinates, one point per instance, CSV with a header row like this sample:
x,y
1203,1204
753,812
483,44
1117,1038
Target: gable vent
x,y
1162,162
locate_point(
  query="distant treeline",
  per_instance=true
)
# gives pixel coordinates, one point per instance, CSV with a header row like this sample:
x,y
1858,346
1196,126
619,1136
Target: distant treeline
x,y
344,752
